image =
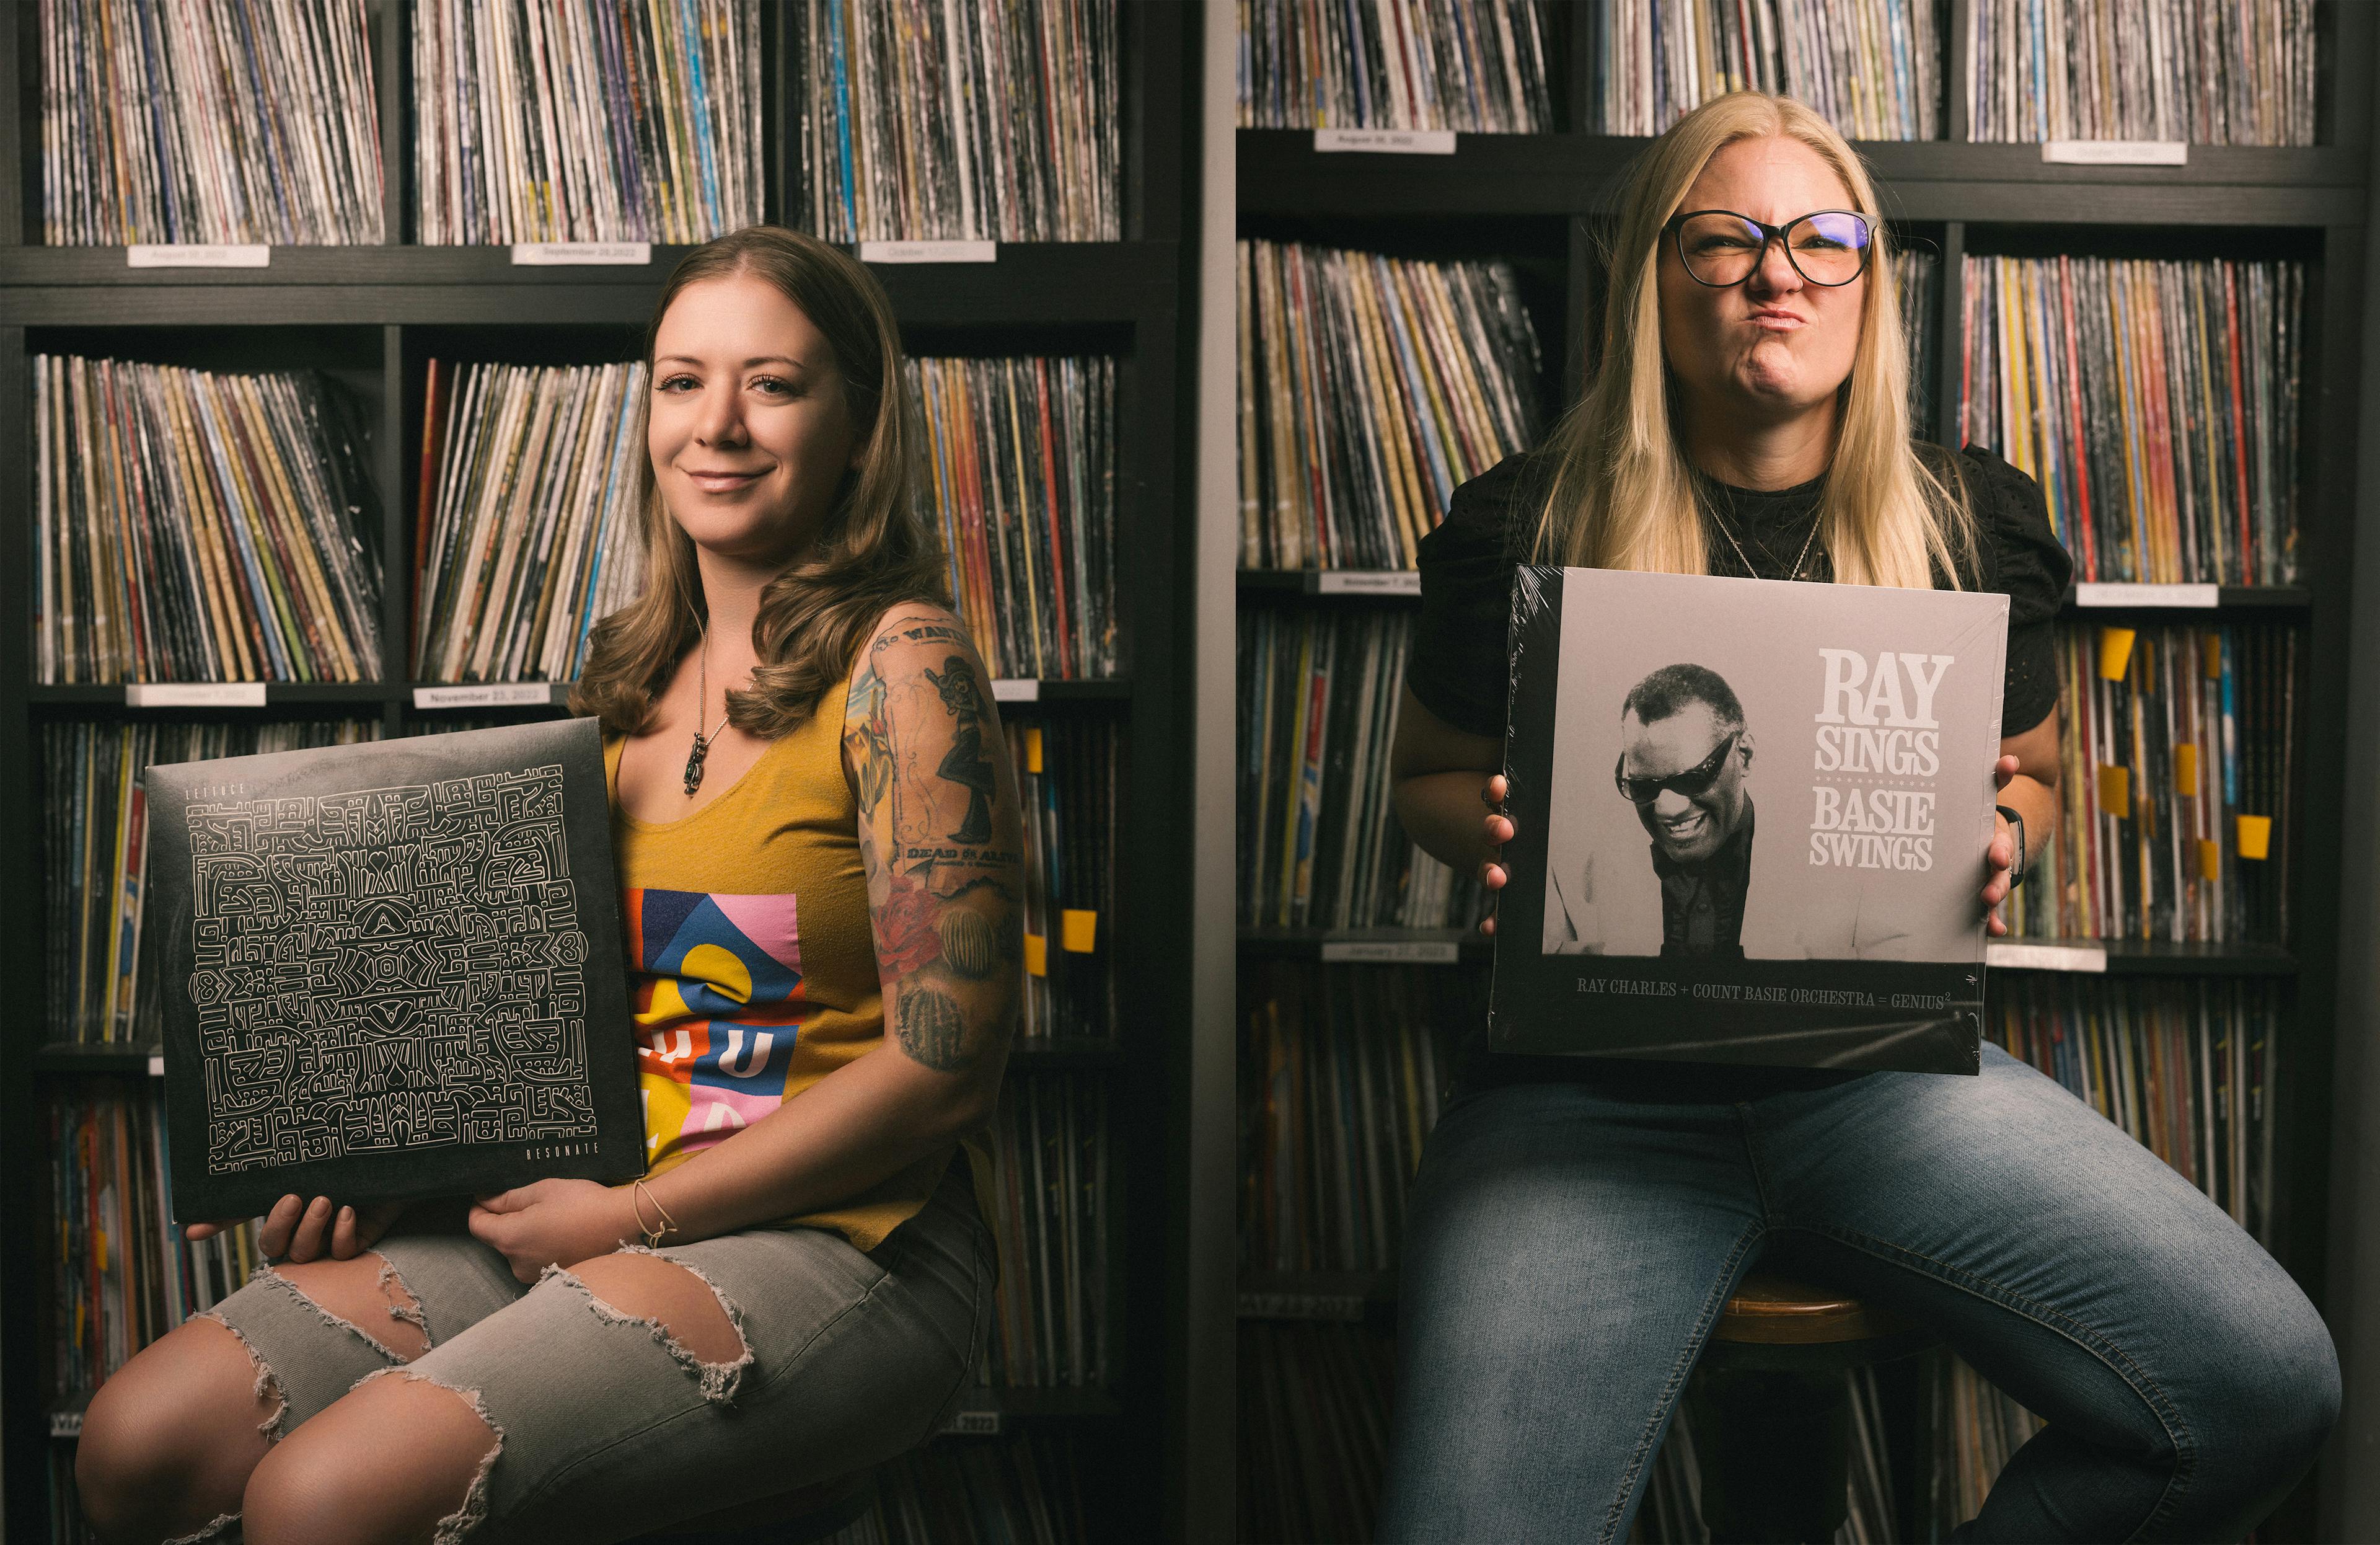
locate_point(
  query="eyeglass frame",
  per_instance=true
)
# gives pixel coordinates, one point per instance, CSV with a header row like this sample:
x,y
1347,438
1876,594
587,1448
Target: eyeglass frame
x,y
1705,771
1676,225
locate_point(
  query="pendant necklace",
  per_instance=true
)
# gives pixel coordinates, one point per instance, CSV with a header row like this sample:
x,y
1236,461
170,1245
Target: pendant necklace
x,y
1746,562
694,758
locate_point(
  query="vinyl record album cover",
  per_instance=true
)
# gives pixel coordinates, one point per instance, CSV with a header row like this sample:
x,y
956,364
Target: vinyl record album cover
x,y
1750,820
391,969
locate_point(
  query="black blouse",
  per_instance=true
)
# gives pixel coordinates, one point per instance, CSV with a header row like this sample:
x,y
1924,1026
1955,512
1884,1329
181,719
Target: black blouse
x,y
1460,662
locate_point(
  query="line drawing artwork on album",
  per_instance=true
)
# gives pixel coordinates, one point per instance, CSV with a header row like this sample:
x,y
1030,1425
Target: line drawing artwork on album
x,y
388,970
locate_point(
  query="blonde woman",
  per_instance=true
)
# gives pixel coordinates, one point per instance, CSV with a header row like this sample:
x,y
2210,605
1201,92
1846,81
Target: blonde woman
x,y
819,842
1578,1226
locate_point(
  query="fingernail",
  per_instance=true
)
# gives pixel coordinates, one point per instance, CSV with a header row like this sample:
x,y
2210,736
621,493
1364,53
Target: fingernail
x,y
346,1214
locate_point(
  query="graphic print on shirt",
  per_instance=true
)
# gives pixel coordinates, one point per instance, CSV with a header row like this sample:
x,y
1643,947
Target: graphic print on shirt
x,y
718,1003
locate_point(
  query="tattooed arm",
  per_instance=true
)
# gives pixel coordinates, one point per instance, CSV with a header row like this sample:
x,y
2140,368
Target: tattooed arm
x,y
941,839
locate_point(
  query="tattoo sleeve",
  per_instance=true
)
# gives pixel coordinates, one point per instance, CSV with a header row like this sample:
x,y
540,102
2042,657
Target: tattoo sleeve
x,y
941,837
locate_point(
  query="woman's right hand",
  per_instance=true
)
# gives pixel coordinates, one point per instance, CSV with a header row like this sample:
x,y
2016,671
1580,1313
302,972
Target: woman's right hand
x,y
1500,831
299,1231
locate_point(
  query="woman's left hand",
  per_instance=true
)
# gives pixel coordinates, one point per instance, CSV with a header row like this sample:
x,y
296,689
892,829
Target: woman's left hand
x,y
2000,857
555,1222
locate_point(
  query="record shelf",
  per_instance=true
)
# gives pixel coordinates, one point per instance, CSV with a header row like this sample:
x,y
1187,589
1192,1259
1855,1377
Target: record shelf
x,y
372,316
1541,201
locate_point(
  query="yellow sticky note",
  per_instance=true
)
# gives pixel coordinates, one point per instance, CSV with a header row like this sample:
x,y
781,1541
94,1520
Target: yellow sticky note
x,y
2212,650
2210,858
2115,652
1037,955
2185,768
2256,835
2116,791
1033,749
1079,932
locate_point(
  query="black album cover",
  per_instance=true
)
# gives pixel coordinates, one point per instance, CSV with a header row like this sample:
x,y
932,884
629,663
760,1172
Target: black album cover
x,y
1750,820
391,969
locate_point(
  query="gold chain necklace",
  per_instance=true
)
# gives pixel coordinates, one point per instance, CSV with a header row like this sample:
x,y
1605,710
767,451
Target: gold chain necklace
x,y
695,758
1746,562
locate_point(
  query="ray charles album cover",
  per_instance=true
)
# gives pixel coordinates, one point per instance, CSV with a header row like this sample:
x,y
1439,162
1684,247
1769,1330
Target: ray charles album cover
x,y
391,969
1750,820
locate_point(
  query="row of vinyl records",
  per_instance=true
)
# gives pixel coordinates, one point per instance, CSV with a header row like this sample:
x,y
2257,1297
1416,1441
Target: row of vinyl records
x,y
2224,72
1024,1489
122,1276
977,121
1342,1069
2177,778
1369,387
1069,778
1314,1412
586,120
203,526
2156,403
1320,845
1479,66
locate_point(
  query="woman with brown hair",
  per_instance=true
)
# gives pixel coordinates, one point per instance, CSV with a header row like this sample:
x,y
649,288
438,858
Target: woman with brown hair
x,y
818,839
1578,1224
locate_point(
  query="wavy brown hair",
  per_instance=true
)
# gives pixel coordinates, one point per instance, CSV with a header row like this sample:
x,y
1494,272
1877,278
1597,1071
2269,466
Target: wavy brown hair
x,y
874,553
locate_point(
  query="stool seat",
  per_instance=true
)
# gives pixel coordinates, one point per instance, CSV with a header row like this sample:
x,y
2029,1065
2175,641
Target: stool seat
x,y
1770,1407
1780,1311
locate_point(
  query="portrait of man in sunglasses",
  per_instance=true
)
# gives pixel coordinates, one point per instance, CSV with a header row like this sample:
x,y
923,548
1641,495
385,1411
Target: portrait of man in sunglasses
x,y
1685,754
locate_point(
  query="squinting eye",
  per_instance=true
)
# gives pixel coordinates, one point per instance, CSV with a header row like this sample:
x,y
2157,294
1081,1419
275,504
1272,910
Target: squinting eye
x,y
773,384
675,381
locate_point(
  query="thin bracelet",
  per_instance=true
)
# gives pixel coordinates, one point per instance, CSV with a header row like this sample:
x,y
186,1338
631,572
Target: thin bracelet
x,y
669,1225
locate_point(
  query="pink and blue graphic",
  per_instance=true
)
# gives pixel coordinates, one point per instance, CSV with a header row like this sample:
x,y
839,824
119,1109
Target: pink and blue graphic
x,y
718,1001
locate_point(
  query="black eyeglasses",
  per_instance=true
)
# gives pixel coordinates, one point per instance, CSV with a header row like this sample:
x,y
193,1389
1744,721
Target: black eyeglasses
x,y
1690,783
1722,248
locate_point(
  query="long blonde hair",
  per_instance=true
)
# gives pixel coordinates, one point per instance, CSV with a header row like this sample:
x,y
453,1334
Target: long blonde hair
x,y
1622,494
875,551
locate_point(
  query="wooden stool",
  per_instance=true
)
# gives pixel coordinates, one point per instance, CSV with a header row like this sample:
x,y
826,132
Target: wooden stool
x,y
1771,1409
791,1518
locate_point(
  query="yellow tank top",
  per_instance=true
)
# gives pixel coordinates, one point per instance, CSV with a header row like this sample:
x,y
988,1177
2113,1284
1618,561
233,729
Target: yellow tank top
x,y
751,962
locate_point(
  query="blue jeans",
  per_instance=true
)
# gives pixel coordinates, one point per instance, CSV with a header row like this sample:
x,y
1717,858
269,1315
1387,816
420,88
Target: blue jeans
x,y
1570,1246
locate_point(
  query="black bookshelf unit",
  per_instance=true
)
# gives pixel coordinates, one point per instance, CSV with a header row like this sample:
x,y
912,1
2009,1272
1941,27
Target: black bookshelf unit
x,y
1542,194
373,315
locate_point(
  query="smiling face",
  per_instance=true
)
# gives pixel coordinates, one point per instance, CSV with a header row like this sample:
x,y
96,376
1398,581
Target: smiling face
x,y
1690,829
1775,347
751,429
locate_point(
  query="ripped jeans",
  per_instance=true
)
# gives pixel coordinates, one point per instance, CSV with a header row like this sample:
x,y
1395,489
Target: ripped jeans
x,y
606,1427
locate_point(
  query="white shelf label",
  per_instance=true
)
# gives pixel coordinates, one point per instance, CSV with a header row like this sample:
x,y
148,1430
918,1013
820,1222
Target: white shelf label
x,y
157,1067
1398,952
974,1424
194,254
1367,581
1016,689
563,254
65,1423
2004,956
2095,594
1301,1306
2117,152
929,251
194,694
493,694
1387,141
